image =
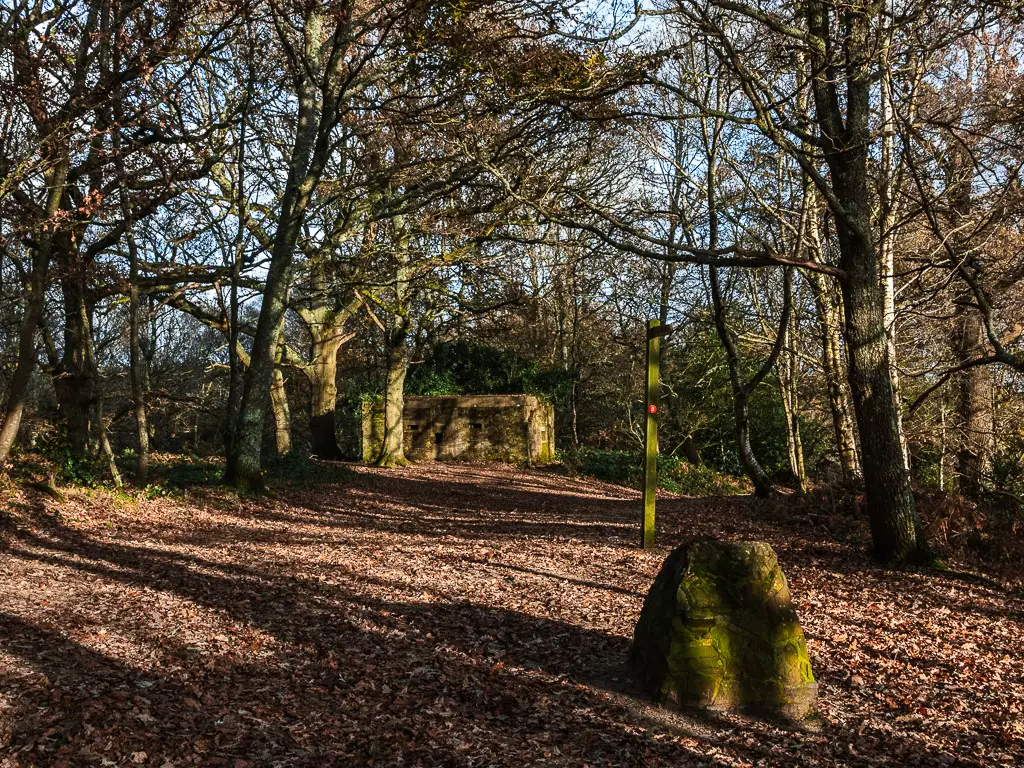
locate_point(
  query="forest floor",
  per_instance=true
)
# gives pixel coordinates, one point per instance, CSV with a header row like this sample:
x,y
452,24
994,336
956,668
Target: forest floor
x,y
458,615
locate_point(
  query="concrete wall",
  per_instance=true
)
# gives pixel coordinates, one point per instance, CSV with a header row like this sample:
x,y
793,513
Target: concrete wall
x,y
517,429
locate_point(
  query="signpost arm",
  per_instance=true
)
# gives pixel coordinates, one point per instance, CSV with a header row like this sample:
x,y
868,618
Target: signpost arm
x,y
651,433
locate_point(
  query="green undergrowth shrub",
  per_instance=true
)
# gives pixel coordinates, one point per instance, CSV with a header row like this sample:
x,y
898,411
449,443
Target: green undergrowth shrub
x,y
674,474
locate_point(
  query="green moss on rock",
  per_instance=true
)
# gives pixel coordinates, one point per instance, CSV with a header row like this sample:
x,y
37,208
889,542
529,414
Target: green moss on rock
x,y
718,631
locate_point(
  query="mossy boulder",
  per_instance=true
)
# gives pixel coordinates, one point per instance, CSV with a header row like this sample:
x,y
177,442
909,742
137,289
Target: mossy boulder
x,y
718,631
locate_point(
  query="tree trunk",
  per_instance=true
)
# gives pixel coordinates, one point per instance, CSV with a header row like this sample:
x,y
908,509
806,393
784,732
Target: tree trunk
x,y
392,451
787,369
741,389
83,325
279,406
894,526
942,446
835,376
138,382
318,113
763,485
18,396
691,452
326,328
977,441
243,468
75,383
104,441
323,375
137,363
236,370
889,204
844,121
895,530
889,290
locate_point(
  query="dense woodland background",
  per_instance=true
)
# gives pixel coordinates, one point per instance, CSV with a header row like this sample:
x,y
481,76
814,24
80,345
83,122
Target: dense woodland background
x,y
224,224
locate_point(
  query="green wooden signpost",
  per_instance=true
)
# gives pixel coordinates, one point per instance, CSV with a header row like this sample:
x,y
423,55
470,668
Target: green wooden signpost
x,y
655,332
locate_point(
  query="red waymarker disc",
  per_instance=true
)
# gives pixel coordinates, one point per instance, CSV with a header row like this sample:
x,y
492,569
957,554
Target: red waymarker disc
x,y
652,409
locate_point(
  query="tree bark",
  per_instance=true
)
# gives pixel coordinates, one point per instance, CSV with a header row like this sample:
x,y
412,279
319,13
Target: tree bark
x,y
392,451
846,139
75,383
763,486
326,326
789,392
835,381
977,439
279,407
886,244
243,468
323,382
895,530
137,374
18,397
319,89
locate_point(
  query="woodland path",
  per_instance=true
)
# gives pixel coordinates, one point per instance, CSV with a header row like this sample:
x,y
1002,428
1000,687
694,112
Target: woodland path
x,y
457,615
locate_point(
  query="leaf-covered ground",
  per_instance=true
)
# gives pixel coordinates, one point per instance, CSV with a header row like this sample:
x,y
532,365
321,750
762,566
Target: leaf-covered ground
x,y
457,615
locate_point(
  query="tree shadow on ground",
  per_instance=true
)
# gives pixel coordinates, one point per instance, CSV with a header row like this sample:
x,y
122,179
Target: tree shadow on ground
x,y
355,671
477,505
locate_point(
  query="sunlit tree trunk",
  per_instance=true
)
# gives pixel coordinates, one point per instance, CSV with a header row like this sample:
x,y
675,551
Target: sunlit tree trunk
x,y
392,451
322,373
279,407
326,325
830,322
789,393
888,179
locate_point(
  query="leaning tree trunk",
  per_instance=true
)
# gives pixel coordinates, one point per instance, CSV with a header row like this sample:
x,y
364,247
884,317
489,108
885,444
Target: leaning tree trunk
x,y
18,396
977,442
243,468
318,79
741,389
